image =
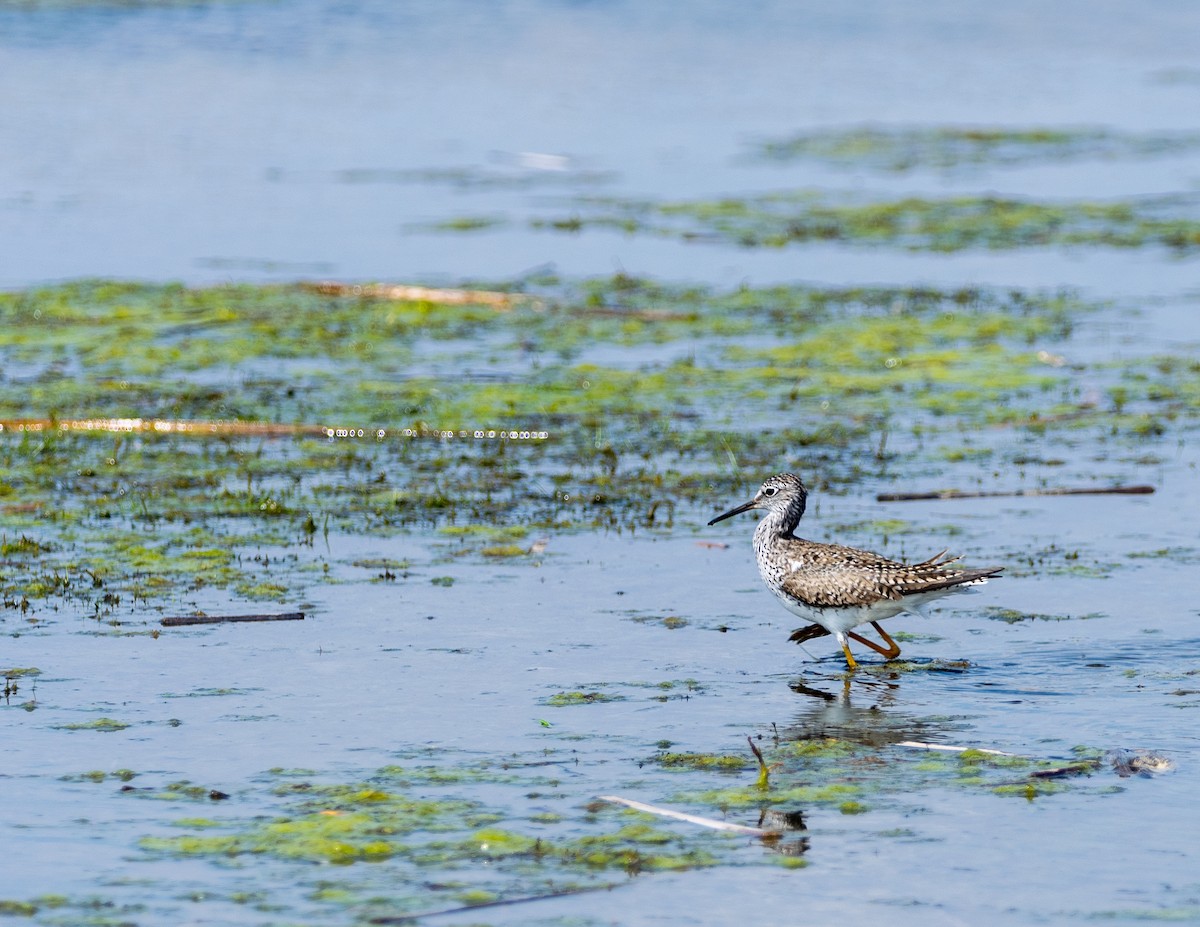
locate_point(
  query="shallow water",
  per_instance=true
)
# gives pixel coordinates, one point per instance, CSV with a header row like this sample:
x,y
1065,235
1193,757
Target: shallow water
x,y
384,673
211,142
218,142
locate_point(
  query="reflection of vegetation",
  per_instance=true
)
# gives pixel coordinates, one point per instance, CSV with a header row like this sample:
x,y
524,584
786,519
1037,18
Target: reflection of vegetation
x,y
852,778
775,220
605,402
905,148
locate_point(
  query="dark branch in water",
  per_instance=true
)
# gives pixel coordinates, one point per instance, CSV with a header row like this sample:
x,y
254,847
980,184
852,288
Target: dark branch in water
x,y
223,619
959,494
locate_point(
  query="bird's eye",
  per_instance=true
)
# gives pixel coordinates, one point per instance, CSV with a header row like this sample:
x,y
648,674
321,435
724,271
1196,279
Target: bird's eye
x,y
770,491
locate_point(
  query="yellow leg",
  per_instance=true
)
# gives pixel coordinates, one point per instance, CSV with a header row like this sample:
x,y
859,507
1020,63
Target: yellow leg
x,y
890,652
851,663
893,650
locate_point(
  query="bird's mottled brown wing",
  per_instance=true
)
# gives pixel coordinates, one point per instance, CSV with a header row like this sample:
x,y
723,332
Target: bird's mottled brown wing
x,y
828,575
833,585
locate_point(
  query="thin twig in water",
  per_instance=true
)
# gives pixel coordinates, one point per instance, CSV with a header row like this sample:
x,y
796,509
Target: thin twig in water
x,y
1140,490
690,818
184,620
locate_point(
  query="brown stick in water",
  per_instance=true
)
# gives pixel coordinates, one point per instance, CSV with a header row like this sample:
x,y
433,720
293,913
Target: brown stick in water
x,y
1141,490
183,620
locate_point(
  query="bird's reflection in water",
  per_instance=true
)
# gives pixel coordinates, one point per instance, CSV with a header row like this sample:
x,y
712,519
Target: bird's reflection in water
x,y
785,826
860,710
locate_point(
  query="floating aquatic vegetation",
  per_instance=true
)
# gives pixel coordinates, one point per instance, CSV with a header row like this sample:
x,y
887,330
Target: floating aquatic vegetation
x,y
105,725
942,224
462,224
1012,616
540,404
428,849
908,148
564,699
707,761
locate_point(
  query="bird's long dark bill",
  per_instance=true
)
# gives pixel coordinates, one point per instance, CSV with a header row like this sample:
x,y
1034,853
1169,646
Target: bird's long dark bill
x,y
738,511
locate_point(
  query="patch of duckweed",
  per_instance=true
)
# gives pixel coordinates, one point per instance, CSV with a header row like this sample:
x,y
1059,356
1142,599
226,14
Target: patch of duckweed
x,y
263,590
973,759
20,672
565,699
908,148
209,692
831,795
824,747
196,823
1030,789
914,637
504,550
702,761
99,775
409,777
486,532
1013,616
100,724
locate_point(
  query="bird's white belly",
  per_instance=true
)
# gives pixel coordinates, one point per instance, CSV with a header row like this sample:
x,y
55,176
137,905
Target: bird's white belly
x,y
840,620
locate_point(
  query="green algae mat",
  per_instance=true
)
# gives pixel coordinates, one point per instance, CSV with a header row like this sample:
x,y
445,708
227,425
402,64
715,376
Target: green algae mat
x,y
917,223
949,148
152,434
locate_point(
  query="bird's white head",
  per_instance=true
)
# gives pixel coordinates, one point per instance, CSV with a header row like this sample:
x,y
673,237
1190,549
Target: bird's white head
x,y
783,495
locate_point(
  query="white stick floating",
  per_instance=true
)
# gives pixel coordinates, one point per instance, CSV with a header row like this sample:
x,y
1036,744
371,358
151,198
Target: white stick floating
x,y
690,818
